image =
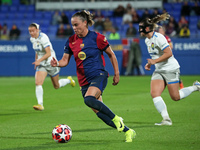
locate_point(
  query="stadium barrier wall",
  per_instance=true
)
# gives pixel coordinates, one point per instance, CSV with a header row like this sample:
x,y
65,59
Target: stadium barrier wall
x,y
16,57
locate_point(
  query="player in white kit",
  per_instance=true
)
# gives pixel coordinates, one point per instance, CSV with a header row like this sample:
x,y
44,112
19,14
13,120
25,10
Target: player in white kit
x,y
43,54
166,67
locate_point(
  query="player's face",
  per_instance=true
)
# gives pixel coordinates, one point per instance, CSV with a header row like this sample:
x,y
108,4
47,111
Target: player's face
x,y
33,32
141,33
79,26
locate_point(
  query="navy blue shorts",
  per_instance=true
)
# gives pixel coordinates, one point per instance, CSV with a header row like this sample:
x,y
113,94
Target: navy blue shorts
x,y
99,82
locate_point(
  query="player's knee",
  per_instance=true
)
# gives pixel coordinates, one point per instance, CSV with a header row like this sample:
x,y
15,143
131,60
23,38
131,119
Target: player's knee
x,y
56,87
175,98
89,100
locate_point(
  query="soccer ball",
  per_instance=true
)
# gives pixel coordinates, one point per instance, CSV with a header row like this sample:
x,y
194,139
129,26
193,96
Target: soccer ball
x,y
62,133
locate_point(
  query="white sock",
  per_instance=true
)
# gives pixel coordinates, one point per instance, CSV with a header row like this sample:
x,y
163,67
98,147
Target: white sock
x,y
187,91
39,94
161,107
63,82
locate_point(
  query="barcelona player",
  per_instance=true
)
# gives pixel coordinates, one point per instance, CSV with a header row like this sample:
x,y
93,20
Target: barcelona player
x,y
167,69
88,47
44,52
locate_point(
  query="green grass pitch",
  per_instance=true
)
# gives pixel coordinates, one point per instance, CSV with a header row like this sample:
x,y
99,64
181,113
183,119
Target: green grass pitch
x,y
23,128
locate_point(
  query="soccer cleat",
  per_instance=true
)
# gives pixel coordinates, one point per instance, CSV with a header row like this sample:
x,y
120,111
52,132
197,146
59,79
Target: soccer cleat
x,y
197,84
130,134
166,122
72,83
38,107
118,121
181,85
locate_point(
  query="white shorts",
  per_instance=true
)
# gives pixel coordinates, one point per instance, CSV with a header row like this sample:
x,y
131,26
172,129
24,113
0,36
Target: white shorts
x,y
169,77
52,71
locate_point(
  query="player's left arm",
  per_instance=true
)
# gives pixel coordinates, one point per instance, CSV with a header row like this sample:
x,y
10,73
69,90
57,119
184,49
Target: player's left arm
x,y
47,55
114,62
167,53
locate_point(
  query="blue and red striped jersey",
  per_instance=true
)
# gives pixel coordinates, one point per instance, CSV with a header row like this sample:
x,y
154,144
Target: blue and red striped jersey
x,y
88,54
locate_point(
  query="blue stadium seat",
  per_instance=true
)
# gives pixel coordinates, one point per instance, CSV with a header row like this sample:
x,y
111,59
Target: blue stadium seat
x,y
13,8
11,16
39,15
30,8
167,6
2,16
4,9
140,12
47,15
177,6
193,19
20,16
29,15
22,8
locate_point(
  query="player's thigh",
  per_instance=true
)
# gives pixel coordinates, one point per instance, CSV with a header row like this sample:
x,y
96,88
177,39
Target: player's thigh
x,y
157,87
40,77
93,91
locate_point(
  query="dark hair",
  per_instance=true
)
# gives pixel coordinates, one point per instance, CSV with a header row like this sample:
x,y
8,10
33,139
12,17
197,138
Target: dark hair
x,y
37,26
85,16
152,23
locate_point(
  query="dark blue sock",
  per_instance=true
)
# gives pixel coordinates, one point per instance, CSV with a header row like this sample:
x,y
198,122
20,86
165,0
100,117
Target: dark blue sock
x,y
92,102
109,121
106,119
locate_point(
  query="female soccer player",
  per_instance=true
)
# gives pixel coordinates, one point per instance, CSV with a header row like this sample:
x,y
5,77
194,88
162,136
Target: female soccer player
x,y
43,55
88,47
162,31
166,67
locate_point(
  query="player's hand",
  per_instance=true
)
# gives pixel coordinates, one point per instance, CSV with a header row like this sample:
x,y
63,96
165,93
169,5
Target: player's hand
x,y
54,62
151,61
36,63
115,79
147,66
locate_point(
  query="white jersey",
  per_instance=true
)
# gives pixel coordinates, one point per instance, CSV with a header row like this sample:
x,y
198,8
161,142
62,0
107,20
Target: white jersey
x,y
155,47
39,46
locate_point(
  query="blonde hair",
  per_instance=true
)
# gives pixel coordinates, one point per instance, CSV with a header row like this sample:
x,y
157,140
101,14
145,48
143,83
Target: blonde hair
x,y
85,15
152,23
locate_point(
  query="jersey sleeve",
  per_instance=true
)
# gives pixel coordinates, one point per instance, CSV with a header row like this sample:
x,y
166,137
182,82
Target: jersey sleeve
x,y
45,41
162,42
102,42
67,48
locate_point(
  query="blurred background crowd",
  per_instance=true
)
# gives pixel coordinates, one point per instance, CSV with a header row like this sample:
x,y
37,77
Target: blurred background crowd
x,y
121,22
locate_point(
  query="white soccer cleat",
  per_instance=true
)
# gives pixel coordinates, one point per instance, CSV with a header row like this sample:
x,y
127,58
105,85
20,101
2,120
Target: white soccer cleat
x,y
166,122
197,84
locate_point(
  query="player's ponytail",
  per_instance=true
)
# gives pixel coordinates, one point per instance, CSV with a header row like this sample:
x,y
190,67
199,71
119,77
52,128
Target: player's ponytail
x,y
85,16
152,23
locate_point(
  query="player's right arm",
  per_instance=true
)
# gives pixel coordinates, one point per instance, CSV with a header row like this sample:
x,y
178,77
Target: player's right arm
x,y
63,62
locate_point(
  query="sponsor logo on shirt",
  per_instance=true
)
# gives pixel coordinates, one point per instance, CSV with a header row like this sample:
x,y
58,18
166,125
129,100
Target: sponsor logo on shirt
x,y
81,55
152,46
82,45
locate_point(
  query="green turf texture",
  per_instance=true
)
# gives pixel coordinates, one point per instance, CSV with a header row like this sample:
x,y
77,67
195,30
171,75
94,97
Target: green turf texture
x,y
23,128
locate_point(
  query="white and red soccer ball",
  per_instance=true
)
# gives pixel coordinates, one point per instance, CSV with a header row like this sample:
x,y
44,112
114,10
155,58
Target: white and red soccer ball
x,y
62,133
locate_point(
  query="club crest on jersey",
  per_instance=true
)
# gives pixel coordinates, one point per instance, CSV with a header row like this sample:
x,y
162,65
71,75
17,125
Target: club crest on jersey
x,y
152,46
82,45
81,55
105,39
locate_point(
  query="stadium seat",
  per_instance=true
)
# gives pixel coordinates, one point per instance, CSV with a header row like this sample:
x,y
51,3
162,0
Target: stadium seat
x,y
39,15
13,8
4,9
47,15
177,6
30,8
22,8
167,6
